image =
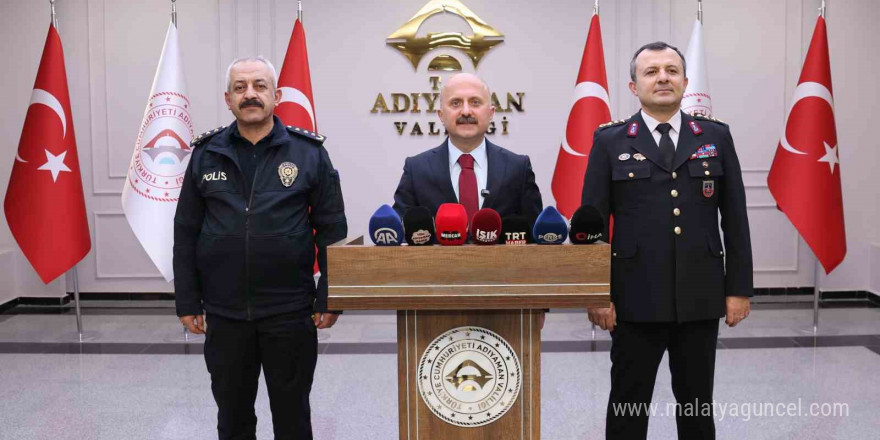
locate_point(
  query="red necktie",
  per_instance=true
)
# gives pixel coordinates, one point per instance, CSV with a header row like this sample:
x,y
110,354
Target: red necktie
x,y
467,185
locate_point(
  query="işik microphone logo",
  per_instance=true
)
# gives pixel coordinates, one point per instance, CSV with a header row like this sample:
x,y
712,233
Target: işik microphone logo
x,y
469,376
486,236
385,236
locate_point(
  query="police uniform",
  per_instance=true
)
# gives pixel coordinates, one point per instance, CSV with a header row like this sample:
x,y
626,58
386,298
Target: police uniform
x,y
670,273
244,255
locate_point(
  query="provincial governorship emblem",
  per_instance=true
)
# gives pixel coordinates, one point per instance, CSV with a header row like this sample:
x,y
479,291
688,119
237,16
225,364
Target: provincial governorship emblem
x,y
469,377
287,172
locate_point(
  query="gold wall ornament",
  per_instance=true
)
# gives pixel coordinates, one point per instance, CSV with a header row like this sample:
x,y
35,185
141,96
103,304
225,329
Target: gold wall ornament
x,y
444,63
414,47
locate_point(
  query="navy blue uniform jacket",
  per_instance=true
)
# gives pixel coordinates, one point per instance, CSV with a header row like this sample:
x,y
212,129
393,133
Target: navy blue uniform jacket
x,y
249,256
510,180
668,263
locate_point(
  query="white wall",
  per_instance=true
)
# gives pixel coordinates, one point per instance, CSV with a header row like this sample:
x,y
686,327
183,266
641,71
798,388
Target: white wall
x,y
755,50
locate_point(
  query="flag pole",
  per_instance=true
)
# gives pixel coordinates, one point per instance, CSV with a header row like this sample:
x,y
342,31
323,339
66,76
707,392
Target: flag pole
x,y
174,12
299,11
596,8
52,10
816,290
822,9
700,11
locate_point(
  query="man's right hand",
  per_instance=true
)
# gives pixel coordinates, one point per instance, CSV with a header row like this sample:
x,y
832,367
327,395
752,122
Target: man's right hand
x,y
194,323
605,318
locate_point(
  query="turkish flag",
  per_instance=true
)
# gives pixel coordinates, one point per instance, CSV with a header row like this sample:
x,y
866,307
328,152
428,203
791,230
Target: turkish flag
x,y
44,204
589,108
805,175
297,107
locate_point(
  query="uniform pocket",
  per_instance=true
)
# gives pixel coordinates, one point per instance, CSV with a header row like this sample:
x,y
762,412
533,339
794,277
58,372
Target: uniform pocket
x,y
633,171
705,168
713,242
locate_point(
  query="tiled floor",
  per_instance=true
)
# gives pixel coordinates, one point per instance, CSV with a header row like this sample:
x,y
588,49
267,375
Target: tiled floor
x,y
135,381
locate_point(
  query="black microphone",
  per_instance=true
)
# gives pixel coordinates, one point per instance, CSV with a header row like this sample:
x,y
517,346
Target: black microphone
x,y
587,226
418,226
515,230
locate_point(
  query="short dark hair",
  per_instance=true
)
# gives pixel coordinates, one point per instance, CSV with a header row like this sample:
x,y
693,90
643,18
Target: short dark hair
x,y
656,46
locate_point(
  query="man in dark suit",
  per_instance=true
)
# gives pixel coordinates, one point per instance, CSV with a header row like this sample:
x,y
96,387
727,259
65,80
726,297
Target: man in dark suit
x,y
665,176
467,168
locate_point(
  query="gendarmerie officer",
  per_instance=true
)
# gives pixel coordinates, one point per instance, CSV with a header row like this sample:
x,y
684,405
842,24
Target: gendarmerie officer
x,y
665,176
244,252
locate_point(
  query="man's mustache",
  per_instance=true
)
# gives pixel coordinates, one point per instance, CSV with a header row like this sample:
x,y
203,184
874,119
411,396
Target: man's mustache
x,y
466,120
250,103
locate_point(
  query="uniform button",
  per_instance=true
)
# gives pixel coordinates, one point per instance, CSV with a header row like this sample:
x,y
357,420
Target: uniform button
x,y
674,175
676,212
631,175
677,230
674,193
614,254
707,172
721,253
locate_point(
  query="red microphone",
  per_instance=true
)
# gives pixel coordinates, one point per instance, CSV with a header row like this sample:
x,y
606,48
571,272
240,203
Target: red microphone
x,y
451,224
486,226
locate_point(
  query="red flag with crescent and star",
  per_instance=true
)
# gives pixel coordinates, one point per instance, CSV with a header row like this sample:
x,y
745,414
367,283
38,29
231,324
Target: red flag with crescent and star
x,y
590,107
44,204
297,106
805,175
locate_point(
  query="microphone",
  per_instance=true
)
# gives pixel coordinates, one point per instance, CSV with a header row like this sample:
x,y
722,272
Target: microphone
x,y
451,224
515,230
550,227
419,226
385,227
486,226
586,225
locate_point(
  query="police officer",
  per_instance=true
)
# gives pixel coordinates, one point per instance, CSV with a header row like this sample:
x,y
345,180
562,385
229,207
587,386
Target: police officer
x,y
253,193
665,176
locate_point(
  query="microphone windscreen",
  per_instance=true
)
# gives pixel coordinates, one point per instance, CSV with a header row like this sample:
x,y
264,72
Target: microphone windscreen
x,y
550,227
587,225
486,226
418,226
515,230
386,229
451,224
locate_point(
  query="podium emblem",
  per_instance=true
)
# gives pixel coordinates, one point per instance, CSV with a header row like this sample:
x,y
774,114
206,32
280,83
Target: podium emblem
x,y
469,376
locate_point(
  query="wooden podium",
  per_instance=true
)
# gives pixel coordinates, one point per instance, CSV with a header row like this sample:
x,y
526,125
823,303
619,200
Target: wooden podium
x,y
468,336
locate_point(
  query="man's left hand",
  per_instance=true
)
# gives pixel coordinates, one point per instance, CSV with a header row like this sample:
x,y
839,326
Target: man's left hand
x,y
737,309
325,320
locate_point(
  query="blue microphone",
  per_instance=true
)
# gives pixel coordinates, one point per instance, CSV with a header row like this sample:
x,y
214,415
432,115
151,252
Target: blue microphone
x,y
550,227
386,229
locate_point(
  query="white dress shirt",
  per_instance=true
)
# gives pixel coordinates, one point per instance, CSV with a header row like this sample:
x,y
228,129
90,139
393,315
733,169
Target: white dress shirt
x,y
481,168
652,124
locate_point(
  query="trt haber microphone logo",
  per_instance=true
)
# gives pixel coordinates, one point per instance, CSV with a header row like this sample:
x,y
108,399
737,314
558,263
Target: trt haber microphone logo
x,y
385,236
514,238
486,236
421,236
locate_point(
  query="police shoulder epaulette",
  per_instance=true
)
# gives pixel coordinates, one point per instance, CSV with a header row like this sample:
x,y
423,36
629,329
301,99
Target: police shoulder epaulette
x,y
709,118
303,132
202,138
613,123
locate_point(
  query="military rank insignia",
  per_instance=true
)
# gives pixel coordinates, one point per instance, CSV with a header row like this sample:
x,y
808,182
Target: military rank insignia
x,y
705,151
633,130
708,188
287,172
695,128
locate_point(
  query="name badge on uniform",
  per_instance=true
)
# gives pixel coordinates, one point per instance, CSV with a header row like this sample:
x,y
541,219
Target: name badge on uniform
x,y
708,188
287,172
705,151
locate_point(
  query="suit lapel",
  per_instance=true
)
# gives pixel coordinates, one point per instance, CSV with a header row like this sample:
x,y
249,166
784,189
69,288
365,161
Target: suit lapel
x,y
496,169
644,141
688,141
440,166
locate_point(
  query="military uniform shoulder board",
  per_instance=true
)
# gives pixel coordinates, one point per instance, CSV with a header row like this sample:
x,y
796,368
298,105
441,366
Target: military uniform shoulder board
x,y
613,123
202,138
709,118
309,134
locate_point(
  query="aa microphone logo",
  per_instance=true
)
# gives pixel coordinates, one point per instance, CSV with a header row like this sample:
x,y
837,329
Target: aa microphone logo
x,y
385,236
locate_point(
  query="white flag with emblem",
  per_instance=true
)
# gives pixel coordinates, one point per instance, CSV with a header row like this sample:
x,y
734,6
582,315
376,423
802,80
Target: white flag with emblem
x,y
161,154
697,99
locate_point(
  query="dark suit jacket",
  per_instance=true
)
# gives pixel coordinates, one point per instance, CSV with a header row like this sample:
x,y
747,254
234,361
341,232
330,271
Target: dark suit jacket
x,y
658,275
510,181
